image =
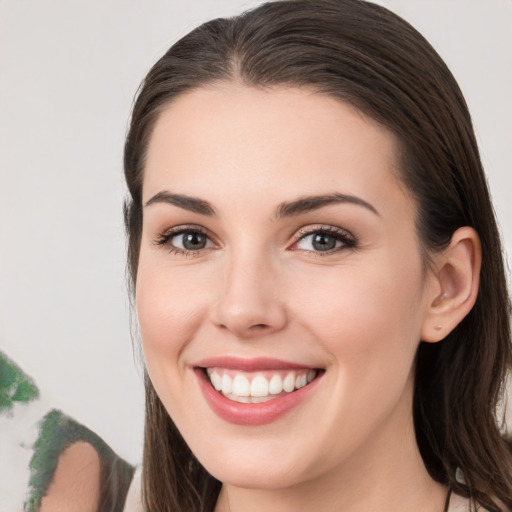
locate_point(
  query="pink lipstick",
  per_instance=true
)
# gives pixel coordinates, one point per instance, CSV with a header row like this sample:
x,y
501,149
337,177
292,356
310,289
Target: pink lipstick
x,y
254,391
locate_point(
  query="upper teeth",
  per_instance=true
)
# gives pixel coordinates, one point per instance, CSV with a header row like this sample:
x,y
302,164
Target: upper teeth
x,y
240,386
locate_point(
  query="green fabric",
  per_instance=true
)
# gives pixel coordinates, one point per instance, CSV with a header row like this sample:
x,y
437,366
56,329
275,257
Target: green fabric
x,y
15,386
56,433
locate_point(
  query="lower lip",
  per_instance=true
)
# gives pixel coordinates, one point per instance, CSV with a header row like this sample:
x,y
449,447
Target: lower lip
x,y
252,414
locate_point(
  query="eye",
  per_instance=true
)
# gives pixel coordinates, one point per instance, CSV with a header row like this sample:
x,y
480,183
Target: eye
x,y
325,239
183,240
190,241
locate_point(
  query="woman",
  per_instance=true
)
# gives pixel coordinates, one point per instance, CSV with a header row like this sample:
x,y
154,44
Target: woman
x,y
317,271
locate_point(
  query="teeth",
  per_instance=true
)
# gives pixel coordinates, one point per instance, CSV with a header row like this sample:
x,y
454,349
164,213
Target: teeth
x,y
241,386
227,384
289,383
249,399
264,386
275,386
260,399
259,386
301,381
216,381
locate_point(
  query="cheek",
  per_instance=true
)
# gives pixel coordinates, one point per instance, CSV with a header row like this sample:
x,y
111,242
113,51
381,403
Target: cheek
x,y
369,323
169,310
365,315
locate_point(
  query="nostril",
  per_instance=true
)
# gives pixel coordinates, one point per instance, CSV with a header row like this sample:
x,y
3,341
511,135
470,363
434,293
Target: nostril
x,y
259,326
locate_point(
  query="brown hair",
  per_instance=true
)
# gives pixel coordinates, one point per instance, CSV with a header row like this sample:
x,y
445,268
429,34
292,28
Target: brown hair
x,y
366,56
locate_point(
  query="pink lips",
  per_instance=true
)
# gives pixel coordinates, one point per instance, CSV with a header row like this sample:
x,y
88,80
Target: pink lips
x,y
252,413
251,365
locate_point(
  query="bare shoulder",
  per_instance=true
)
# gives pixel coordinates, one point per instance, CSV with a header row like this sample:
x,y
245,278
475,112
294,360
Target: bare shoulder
x,y
76,482
460,504
134,498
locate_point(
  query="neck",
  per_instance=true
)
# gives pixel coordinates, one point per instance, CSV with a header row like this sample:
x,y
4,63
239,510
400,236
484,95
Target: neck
x,y
387,473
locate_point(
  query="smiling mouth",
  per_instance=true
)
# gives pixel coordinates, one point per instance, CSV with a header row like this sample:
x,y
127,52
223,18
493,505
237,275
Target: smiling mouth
x,y
259,386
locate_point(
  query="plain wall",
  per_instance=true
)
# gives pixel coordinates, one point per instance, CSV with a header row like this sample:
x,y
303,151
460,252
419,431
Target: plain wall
x,y
68,74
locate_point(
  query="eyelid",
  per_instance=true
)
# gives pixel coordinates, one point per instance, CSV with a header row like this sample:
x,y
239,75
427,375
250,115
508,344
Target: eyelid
x,y
348,239
163,238
341,234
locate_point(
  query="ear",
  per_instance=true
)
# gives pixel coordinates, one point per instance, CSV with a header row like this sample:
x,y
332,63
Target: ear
x,y
456,277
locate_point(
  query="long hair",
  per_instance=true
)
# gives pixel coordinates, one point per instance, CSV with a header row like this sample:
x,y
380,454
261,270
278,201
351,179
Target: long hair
x,y
366,56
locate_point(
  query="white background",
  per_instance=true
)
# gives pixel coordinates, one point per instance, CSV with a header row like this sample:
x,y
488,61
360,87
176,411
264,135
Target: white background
x,y
68,74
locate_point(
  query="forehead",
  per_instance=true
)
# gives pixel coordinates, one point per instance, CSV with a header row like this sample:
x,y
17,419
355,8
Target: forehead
x,y
268,140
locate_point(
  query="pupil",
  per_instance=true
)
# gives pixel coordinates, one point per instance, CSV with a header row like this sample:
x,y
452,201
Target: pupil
x,y
194,241
323,242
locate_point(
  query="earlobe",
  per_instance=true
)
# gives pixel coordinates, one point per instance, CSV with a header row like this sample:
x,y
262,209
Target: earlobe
x,y
457,277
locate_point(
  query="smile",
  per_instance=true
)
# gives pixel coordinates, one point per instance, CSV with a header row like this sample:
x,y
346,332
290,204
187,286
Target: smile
x,y
258,387
255,392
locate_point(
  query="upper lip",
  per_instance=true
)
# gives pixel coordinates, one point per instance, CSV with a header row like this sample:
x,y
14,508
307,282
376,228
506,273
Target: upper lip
x,y
251,365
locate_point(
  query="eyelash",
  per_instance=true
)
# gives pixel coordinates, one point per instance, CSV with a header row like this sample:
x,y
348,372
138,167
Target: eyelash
x,y
347,240
163,239
340,235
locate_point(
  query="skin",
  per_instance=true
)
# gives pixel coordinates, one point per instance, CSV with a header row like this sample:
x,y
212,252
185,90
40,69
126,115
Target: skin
x,y
76,482
260,289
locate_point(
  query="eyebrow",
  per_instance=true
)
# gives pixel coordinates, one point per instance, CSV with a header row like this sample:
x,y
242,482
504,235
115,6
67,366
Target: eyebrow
x,y
310,203
192,204
286,209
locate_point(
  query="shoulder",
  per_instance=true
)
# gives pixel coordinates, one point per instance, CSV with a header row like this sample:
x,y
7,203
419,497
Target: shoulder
x,y
133,499
460,504
76,481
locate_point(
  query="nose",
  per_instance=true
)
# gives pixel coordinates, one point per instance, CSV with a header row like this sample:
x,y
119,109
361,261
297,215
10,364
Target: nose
x,y
250,303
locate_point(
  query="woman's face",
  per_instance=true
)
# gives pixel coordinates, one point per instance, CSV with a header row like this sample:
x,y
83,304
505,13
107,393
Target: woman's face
x,y
279,252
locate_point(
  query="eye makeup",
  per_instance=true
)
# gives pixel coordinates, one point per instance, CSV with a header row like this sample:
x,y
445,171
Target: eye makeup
x,y
322,240
185,240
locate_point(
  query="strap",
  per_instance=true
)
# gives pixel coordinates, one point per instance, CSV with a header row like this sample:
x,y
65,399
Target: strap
x,y
447,502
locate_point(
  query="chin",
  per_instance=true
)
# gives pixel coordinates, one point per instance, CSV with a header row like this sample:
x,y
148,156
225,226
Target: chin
x,y
258,463
254,476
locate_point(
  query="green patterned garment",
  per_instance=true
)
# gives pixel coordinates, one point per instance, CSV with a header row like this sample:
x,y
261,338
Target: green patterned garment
x,y
32,438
